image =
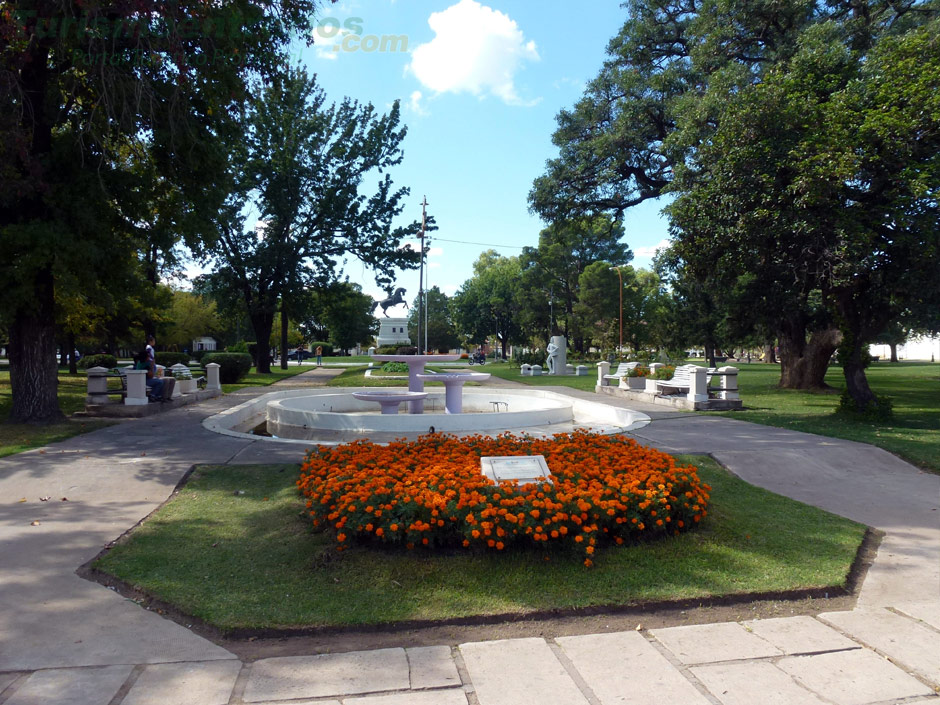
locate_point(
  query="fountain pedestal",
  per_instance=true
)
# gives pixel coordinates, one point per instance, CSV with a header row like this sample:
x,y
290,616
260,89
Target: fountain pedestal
x,y
416,365
390,401
453,387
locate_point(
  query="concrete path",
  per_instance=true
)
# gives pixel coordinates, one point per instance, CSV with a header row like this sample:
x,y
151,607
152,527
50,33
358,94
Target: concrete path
x,y
67,641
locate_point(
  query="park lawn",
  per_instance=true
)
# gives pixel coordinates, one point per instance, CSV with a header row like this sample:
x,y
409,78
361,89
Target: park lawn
x,y
257,379
511,372
356,377
234,547
914,387
15,438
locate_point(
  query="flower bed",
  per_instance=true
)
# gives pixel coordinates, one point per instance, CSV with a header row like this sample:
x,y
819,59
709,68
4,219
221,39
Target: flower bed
x,y
430,492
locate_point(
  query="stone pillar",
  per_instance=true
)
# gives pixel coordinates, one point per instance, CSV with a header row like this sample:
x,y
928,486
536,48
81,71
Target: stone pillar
x,y
698,387
136,388
582,371
536,370
603,368
561,354
729,383
525,370
212,376
569,369
97,386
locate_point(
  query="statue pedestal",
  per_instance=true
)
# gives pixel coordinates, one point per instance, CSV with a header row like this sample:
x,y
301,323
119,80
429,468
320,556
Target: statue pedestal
x,y
393,331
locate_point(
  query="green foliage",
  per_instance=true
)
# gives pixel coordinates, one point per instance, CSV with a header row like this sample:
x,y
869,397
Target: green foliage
x,y
490,302
394,367
386,350
878,408
441,330
233,365
106,361
327,347
532,357
665,372
406,350
168,359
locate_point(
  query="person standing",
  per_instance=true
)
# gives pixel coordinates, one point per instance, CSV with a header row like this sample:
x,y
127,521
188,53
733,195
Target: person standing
x,y
319,356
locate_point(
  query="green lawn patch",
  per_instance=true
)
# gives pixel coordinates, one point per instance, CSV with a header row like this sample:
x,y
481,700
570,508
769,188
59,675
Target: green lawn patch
x,y
356,377
257,379
15,438
252,560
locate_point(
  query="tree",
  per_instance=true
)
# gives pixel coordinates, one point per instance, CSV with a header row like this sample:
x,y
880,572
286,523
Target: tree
x,y
347,314
553,269
191,316
791,122
488,303
80,85
303,163
441,332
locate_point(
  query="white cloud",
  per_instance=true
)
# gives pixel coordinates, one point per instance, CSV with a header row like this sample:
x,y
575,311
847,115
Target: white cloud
x,y
415,104
652,250
476,49
415,245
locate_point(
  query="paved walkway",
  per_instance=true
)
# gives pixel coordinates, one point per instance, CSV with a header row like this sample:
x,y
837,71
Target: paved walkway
x,y
65,641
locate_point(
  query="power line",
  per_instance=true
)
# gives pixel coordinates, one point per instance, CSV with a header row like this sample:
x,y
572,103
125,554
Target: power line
x,y
483,244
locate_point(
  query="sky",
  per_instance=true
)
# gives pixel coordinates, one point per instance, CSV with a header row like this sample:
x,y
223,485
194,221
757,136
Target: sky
x,y
480,84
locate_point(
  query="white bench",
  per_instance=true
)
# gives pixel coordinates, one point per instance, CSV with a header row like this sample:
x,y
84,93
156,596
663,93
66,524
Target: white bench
x,y
682,379
622,369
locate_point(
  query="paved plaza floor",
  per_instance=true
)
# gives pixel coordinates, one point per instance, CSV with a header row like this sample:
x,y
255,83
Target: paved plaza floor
x,y
67,641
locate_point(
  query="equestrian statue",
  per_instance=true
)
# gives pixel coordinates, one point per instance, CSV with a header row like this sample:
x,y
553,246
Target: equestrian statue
x,y
393,300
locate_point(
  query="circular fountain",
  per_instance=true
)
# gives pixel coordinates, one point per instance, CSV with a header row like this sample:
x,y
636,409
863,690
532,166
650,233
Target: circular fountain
x,y
327,416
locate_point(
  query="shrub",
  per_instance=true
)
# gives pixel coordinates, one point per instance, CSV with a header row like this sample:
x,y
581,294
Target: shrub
x,y
199,354
168,359
103,360
386,350
880,408
240,346
605,489
639,371
394,367
327,348
528,358
407,350
234,366
666,372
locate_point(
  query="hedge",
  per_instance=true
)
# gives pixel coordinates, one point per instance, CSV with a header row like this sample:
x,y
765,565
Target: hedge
x,y
168,359
327,348
89,361
234,366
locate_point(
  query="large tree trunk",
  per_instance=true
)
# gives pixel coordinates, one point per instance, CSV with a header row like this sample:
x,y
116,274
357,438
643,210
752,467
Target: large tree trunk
x,y
894,352
262,323
33,369
803,363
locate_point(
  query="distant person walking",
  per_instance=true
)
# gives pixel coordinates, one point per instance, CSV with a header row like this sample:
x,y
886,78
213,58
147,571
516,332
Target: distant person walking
x,y
319,356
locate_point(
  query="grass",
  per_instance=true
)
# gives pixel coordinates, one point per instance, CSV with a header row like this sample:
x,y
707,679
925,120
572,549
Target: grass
x,y
15,438
355,377
252,561
913,433
257,379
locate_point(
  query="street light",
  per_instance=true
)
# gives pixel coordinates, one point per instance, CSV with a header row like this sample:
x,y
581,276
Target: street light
x,y
620,278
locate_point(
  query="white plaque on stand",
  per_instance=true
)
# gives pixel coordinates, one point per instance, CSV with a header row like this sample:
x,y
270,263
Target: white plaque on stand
x,y
521,469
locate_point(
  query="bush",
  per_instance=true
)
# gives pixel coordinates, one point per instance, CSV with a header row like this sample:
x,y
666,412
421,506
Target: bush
x,y
168,359
199,354
877,409
639,371
234,366
666,372
240,346
386,350
606,489
528,358
408,350
89,361
394,367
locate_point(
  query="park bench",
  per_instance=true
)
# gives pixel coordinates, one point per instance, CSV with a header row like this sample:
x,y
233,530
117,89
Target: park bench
x,y
622,369
682,380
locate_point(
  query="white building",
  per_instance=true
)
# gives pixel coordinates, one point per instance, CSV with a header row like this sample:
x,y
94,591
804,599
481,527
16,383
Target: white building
x,y
204,343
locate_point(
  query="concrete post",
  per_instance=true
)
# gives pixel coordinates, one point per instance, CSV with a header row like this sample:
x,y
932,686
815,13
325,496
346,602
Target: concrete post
x,y
525,370
569,369
603,368
136,388
97,386
536,370
582,371
698,387
729,383
212,376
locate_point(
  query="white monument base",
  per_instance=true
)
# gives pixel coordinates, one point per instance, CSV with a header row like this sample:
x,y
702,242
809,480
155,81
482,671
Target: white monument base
x,y
393,331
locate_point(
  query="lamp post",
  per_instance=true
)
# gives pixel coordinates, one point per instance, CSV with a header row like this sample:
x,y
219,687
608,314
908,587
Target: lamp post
x,y
620,279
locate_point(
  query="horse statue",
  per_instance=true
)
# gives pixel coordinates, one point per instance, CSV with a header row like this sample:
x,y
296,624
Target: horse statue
x,y
393,300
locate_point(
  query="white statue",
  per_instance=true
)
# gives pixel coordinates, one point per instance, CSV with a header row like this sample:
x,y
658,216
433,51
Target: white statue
x,y
552,357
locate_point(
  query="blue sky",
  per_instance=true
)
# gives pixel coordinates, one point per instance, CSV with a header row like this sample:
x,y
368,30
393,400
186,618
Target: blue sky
x,y
480,84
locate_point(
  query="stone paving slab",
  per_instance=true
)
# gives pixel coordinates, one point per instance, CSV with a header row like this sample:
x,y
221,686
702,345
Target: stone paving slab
x,y
206,683
799,635
6,679
515,671
71,686
432,667
623,668
904,641
327,675
455,696
711,643
753,682
927,612
853,677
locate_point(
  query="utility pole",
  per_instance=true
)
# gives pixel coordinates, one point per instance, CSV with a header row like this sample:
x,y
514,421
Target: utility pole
x,y
424,214
620,279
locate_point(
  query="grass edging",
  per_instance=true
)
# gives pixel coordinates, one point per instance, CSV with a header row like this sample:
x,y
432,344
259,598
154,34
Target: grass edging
x,y
330,568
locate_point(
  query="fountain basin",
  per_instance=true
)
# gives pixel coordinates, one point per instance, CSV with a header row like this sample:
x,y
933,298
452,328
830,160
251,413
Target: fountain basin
x,y
328,417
